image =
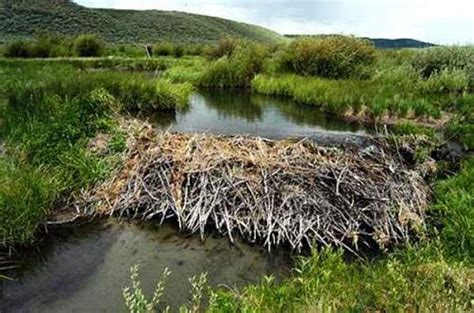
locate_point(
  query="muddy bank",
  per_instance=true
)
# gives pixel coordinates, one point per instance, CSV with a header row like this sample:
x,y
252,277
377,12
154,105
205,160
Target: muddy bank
x,y
83,269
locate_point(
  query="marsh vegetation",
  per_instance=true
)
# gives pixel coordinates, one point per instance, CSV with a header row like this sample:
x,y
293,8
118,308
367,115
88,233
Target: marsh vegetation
x,y
64,128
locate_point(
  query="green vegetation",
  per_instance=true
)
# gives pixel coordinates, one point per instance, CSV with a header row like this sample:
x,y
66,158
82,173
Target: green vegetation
x,y
26,196
236,69
17,49
50,46
20,19
331,57
438,59
52,114
88,46
137,302
53,110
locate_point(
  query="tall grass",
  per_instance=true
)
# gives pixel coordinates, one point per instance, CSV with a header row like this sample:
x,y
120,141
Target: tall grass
x,y
26,196
51,115
89,45
349,96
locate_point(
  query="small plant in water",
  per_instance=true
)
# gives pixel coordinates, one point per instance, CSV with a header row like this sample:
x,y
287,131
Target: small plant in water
x,y
135,298
198,284
137,302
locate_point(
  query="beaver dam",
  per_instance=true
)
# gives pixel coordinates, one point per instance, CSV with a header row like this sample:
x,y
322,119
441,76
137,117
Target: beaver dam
x,y
274,193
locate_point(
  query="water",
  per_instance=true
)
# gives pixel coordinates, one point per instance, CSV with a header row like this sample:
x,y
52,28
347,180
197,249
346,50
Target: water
x,y
236,112
85,271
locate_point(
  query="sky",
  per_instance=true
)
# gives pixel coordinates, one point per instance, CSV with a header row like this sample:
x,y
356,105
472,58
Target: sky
x,y
436,21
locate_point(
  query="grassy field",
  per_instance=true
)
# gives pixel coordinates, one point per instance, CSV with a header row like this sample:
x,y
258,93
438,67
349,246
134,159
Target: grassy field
x,y
52,109
21,19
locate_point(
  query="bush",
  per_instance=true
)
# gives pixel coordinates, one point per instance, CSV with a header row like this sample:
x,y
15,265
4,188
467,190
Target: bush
x,y
89,46
331,57
163,49
17,49
178,51
43,46
225,47
236,70
435,60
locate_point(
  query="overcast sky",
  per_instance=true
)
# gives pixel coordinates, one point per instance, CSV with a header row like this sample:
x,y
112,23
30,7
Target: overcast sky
x,y
438,21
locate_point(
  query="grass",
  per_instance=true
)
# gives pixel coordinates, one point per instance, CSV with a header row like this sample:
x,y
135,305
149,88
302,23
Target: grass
x,y
26,196
51,114
367,97
21,19
417,279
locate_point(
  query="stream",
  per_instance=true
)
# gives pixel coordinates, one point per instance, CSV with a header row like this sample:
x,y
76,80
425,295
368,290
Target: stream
x,y
83,269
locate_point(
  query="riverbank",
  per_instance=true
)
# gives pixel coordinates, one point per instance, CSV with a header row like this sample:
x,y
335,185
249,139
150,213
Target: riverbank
x,y
63,137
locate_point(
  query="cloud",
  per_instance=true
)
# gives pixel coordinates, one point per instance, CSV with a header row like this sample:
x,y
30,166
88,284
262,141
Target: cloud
x,y
432,20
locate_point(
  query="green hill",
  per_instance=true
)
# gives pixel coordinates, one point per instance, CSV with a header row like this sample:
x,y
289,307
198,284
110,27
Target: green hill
x,y
22,18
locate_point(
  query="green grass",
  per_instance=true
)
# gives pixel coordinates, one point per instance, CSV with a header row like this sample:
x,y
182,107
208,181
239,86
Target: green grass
x,y
367,97
26,196
51,112
20,19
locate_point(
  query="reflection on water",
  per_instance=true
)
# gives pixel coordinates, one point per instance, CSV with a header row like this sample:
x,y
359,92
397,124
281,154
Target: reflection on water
x,y
86,271
224,112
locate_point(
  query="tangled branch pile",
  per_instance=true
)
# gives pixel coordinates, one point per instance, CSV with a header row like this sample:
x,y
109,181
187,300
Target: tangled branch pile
x,y
271,192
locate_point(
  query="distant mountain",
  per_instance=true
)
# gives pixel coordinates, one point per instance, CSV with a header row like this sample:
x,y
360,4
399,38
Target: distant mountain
x,y
399,43
22,18
383,43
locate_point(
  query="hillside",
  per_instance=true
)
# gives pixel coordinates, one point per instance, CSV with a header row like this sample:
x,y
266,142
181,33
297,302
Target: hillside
x,y
22,18
383,43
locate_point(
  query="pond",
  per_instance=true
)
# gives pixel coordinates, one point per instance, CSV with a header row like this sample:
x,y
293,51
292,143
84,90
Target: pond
x,y
84,269
237,112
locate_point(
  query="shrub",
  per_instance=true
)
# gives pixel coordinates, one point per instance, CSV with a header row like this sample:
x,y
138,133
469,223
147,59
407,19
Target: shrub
x,y
45,45
225,47
437,59
17,49
236,70
89,46
178,51
163,49
331,57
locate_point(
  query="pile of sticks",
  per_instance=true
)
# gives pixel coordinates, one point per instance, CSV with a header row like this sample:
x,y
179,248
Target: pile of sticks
x,y
269,192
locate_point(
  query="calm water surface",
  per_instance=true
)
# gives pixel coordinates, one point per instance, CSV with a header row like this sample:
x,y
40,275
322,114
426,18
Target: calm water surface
x,y
85,271
242,113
